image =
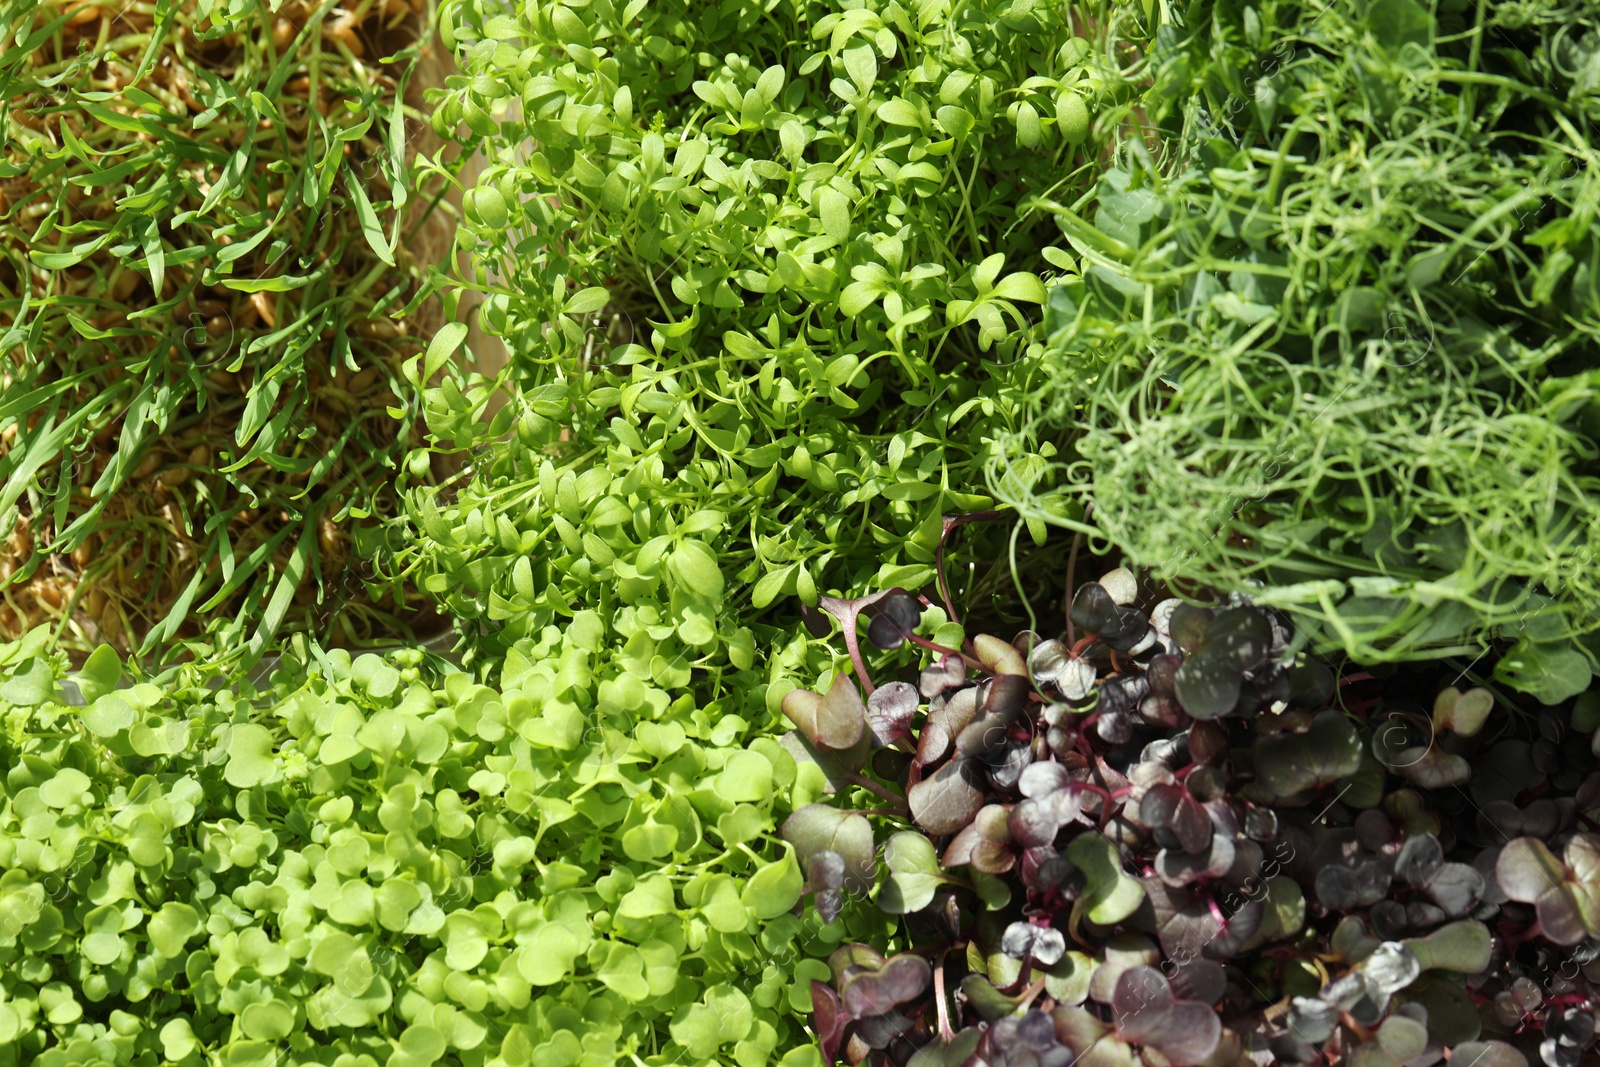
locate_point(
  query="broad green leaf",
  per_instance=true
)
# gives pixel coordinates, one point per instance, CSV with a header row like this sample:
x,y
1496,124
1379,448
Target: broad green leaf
x,y
775,888
442,347
1111,894
914,873
250,756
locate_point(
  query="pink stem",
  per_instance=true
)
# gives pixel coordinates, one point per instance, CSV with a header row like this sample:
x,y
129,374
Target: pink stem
x,y
945,1033
918,639
854,647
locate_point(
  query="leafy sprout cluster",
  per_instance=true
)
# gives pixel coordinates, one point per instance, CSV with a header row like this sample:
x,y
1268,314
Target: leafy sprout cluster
x,y
1336,339
1172,837
379,859
757,265
212,245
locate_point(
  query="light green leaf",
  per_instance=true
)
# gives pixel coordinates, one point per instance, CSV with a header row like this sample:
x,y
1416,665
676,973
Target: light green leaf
x,y
914,873
587,301
1021,286
623,972
171,928
250,757
1111,894
747,776
442,347
695,569
67,787
899,112
371,228
834,211
775,888
100,673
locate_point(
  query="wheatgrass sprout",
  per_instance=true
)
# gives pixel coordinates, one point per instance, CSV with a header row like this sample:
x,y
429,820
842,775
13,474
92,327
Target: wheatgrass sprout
x,y
211,255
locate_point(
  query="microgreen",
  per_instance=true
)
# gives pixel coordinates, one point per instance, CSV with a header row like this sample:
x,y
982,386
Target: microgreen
x,y
371,856
1245,858
763,279
205,214
1330,341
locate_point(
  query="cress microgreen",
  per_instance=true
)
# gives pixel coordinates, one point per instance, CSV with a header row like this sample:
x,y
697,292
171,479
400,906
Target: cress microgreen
x,y
380,852
768,283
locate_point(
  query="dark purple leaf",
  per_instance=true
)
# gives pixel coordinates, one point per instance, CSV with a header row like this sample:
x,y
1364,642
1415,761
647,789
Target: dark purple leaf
x,y
835,766
1005,696
1487,1054
1188,624
1432,768
827,1019
1504,771
1014,758
901,979
1171,807
1206,784
984,843
947,672
1260,824
1456,888
1289,1047
816,620
825,876
1419,860
1349,888
1375,831
825,870
1311,683
1093,610
879,1030
1200,980
1291,763
1044,869
890,710
855,958
1184,1032
1207,686
1036,822
1043,778
1389,919
1242,637
947,801
1234,934
892,619
1045,944
1528,872
1178,868
1047,661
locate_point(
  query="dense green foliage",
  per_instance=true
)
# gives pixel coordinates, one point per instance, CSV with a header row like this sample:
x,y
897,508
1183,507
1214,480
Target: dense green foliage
x,y
1340,341
763,277
205,212
383,859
